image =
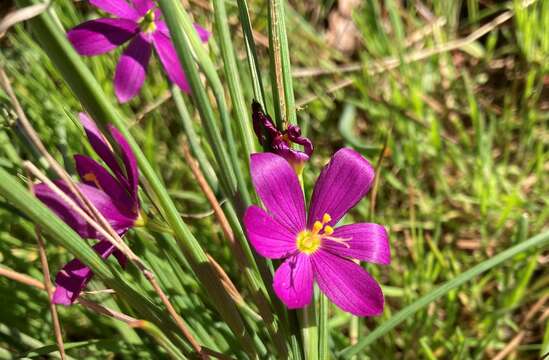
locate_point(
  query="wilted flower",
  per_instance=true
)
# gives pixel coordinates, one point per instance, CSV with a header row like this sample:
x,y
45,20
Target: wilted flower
x,y
113,193
280,142
314,250
140,22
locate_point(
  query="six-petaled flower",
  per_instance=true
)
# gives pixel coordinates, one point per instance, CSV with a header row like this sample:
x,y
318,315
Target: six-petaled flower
x,y
313,248
113,193
141,22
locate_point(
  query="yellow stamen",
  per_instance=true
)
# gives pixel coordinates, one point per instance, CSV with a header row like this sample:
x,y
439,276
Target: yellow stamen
x,y
317,226
309,241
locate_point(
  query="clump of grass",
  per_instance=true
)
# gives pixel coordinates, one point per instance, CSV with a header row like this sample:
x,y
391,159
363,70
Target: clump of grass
x,y
449,99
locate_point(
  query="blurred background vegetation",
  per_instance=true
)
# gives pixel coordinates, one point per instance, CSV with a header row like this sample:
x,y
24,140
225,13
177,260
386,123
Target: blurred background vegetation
x,y
449,98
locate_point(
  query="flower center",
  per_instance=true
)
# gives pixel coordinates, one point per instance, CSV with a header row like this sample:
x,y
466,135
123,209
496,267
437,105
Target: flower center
x,y
146,23
309,241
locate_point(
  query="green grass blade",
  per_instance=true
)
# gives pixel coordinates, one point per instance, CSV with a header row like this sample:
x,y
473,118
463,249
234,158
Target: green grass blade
x,y
192,138
86,88
186,42
281,74
233,80
251,52
534,242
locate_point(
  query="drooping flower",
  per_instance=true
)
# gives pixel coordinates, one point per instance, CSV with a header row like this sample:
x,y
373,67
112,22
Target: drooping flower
x,y
113,193
141,22
280,142
313,248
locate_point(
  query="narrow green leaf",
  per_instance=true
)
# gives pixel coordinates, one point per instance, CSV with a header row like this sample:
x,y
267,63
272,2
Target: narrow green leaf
x,y
281,74
534,242
253,63
233,79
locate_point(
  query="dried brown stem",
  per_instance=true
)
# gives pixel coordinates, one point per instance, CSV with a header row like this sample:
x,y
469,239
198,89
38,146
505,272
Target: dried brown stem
x,y
21,278
178,320
49,289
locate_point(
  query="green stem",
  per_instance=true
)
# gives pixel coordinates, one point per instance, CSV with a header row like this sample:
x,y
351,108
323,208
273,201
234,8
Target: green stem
x,y
323,329
404,314
309,331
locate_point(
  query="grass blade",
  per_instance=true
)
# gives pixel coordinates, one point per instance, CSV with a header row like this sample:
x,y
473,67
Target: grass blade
x,y
233,79
283,91
534,242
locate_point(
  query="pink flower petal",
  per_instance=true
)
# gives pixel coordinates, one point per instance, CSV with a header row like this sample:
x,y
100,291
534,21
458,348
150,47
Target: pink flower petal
x,y
293,281
100,145
74,276
168,57
93,174
118,8
142,6
99,36
132,69
347,284
130,162
278,187
203,34
119,220
363,241
340,186
267,236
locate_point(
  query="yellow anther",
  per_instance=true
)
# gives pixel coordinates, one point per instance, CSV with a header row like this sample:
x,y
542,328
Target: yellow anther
x,y
90,177
326,218
328,230
317,226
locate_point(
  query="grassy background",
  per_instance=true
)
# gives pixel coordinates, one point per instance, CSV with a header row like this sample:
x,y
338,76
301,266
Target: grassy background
x,y
463,176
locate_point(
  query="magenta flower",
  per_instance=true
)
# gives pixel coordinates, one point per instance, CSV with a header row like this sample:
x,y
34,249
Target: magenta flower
x,y
314,250
113,193
280,142
140,22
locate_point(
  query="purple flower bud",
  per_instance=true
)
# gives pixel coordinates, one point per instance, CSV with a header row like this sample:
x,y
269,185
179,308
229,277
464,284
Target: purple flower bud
x,y
280,142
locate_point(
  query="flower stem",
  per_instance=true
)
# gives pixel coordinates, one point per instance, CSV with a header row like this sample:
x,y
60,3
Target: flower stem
x,y
309,332
323,330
